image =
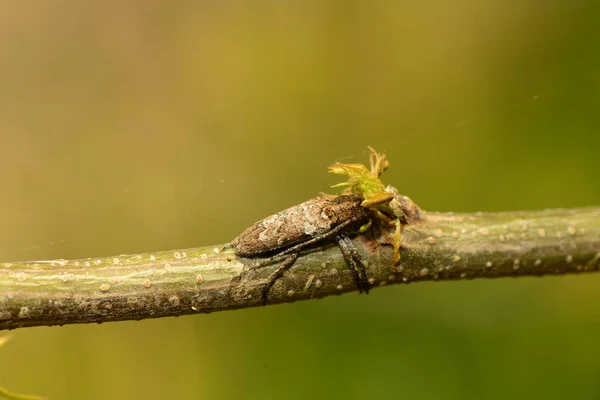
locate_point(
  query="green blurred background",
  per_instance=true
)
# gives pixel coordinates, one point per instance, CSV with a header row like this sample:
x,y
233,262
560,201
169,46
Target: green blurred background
x,y
149,125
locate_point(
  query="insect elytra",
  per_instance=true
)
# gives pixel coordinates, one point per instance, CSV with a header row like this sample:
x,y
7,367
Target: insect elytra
x,y
299,224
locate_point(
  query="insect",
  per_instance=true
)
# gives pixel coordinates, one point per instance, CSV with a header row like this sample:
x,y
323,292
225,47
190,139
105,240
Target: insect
x,y
285,234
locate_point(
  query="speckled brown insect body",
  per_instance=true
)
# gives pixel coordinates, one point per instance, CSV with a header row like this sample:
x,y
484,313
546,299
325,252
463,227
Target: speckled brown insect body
x,y
299,224
284,234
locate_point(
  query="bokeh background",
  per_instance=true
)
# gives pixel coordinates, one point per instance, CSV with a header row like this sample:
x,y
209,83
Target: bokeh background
x,y
133,126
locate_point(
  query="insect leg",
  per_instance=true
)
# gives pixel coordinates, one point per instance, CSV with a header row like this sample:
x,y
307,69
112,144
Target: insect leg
x,y
278,273
397,244
350,261
355,261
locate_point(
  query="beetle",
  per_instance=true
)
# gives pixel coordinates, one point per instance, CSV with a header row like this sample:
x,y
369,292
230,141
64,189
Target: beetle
x,y
286,233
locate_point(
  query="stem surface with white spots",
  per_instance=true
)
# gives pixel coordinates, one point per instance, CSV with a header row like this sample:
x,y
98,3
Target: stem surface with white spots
x,y
440,246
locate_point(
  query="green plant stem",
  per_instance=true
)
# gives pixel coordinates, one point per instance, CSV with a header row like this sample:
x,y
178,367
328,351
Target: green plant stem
x,y
202,280
15,396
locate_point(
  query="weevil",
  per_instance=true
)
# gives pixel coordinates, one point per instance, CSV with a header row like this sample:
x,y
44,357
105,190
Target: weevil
x,y
285,234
